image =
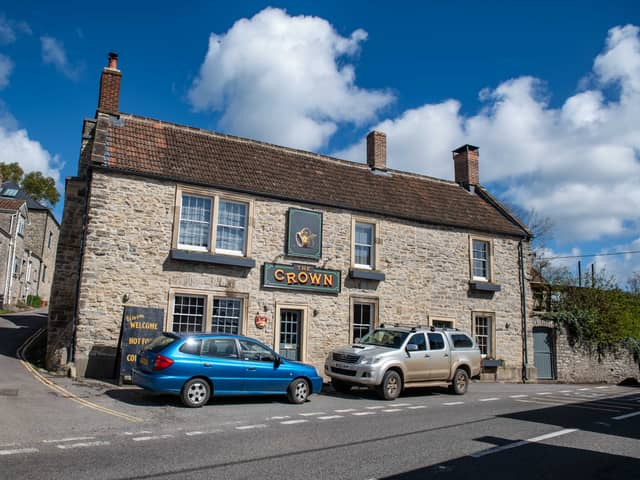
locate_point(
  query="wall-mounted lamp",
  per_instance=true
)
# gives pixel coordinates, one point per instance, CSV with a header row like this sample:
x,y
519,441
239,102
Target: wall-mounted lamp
x,y
315,312
125,298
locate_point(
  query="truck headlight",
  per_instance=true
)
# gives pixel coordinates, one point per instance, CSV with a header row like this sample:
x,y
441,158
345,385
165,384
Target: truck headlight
x,y
369,361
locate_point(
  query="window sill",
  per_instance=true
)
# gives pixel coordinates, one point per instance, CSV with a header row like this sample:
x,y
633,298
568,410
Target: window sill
x,y
202,257
484,286
362,274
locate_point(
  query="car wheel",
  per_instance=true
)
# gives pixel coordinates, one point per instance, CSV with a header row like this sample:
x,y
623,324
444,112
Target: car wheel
x,y
460,382
195,393
391,385
340,386
298,391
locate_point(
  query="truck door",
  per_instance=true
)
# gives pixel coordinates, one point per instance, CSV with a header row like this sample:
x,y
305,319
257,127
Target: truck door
x,y
417,363
438,357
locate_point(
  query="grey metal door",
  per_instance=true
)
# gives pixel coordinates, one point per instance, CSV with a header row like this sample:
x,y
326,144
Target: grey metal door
x,y
290,334
543,352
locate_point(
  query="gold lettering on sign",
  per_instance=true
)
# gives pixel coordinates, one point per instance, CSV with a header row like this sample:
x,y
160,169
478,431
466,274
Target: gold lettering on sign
x,y
144,325
328,280
291,278
279,275
303,277
315,278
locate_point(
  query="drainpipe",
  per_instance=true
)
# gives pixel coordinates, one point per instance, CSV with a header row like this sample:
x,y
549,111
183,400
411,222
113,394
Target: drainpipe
x,y
7,283
523,302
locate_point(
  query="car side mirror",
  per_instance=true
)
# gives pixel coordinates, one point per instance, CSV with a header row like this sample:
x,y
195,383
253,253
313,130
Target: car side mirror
x,y
277,361
412,347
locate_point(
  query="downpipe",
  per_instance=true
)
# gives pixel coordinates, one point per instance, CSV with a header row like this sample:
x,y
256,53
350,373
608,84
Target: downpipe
x,y
523,311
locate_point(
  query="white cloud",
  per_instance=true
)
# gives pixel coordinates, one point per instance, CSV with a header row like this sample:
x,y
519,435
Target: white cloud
x,y
9,30
6,67
577,164
16,146
53,53
284,79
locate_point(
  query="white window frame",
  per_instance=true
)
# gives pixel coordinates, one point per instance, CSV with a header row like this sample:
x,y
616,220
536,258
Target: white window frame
x,y
215,198
21,222
489,260
375,245
490,335
209,297
451,321
184,246
222,251
359,300
226,298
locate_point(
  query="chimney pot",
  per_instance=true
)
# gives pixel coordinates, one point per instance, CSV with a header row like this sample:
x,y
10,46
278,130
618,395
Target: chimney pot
x,y
109,97
377,150
465,163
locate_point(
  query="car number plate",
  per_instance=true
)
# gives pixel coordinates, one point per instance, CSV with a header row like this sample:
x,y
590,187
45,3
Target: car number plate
x,y
144,361
346,366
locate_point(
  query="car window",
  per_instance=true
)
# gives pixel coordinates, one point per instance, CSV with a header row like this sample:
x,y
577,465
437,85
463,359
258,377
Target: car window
x,y
461,341
160,343
436,341
219,347
191,346
384,338
419,340
255,351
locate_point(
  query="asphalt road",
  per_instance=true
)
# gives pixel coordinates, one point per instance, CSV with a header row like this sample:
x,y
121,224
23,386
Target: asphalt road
x,y
502,431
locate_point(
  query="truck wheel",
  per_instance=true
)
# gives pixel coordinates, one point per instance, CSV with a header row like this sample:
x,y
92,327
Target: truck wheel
x,y
340,386
391,385
460,382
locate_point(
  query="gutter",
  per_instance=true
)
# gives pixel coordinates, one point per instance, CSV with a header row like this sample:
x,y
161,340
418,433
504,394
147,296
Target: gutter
x,y
9,272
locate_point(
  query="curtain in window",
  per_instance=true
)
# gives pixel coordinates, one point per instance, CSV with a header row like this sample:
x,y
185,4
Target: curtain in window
x,y
232,221
195,216
364,244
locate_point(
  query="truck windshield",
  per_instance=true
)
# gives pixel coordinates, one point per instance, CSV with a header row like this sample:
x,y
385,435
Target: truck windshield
x,y
384,338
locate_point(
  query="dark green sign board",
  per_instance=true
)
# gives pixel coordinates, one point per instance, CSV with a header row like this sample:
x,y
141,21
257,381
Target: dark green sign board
x,y
301,277
140,326
304,234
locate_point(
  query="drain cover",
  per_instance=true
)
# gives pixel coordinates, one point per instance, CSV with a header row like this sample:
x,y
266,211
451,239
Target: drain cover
x,y
9,392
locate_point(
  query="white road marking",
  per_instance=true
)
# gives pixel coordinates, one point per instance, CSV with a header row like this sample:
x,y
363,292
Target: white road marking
x,y
151,437
292,422
330,417
583,389
70,439
345,410
198,432
312,414
492,399
627,415
363,413
390,410
567,404
523,442
137,433
453,403
401,404
544,393
18,450
83,445
281,417
251,427
602,387
565,391
415,407
518,396
375,408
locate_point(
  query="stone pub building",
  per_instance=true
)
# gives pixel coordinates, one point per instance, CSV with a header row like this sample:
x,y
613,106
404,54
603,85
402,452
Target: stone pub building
x,y
302,251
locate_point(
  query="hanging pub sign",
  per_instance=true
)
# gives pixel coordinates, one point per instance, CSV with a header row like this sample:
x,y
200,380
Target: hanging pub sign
x,y
139,327
304,234
301,277
261,320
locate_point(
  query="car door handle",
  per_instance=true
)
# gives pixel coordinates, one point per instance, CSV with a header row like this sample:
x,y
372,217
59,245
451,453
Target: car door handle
x,y
206,364
446,355
251,369
427,355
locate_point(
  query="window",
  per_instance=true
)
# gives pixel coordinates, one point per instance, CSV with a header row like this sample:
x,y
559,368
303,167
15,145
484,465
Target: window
x,y
481,259
192,346
29,267
364,316
227,315
16,265
483,332
363,245
419,340
442,323
256,352
212,224
219,347
44,273
195,217
461,341
232,226
21,226
188,313
49,241
436,341
10,192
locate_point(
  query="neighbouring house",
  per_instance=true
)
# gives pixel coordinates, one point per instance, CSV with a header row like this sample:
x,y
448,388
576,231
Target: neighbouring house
x,y
28,244
302,251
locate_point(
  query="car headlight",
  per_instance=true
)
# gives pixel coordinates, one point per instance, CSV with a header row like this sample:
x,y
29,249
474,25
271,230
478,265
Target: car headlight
x,y
370,361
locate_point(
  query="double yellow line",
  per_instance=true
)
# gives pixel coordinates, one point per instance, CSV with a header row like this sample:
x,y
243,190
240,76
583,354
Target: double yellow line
x,y
65,393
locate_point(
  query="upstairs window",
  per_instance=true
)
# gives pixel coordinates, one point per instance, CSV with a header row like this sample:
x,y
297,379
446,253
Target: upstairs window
x,y
481,260
195,220
232,226
50,238
21,225
363,245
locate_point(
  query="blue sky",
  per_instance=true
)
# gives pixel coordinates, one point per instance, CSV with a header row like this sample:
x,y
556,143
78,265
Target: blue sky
x,y
549,91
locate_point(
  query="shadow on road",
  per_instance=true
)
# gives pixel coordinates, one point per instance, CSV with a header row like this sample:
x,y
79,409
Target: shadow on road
x,y
25,324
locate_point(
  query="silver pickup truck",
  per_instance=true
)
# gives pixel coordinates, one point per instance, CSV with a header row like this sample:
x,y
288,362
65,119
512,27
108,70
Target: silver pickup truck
x,y
390,359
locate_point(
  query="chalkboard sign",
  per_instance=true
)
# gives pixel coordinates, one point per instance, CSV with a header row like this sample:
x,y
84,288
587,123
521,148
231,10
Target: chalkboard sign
x,y
139,327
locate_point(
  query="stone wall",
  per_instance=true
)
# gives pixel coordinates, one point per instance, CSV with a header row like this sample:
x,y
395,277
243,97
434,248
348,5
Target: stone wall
x,y
48,255
575,364
129,237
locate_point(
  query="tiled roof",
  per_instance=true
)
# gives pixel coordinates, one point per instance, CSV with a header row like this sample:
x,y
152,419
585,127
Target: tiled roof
x,y
10,203
151,147
21,194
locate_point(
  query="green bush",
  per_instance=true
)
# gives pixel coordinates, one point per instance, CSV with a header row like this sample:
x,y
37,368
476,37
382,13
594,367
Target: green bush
x,y
34,301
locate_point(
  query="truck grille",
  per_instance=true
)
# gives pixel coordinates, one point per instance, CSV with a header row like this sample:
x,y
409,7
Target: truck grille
x,y
345,357
342,371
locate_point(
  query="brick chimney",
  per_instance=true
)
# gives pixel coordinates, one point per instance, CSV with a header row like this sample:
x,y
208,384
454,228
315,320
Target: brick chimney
x,y
377,150
109,97
465,163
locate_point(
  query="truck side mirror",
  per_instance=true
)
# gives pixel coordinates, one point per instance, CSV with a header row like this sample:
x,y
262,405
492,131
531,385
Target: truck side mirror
x,y
412,347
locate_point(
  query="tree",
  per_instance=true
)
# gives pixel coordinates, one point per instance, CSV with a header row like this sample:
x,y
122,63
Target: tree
x,y
41,188
633,283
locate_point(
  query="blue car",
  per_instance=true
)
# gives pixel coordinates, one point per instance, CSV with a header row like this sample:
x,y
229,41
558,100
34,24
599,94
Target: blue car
x,y
200,365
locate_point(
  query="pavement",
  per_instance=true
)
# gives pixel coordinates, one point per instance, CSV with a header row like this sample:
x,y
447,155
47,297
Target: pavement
x,y
68,429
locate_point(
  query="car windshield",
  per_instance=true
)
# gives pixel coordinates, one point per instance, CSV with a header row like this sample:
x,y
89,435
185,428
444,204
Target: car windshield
x,y
384,338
